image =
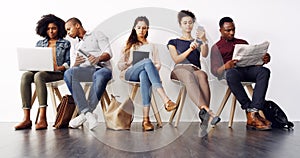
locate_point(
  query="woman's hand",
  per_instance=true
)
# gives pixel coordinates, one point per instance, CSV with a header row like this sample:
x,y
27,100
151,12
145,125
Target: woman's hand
x,y
194,45
59,68
200,34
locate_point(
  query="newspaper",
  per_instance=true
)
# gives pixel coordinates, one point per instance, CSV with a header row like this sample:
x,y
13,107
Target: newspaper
x,y
248,55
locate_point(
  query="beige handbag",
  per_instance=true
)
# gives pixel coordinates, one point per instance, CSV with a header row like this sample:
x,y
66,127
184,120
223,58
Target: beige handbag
x,y
119,116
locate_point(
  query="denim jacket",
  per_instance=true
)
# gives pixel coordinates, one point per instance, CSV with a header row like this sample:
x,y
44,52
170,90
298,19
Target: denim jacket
x,y
62,51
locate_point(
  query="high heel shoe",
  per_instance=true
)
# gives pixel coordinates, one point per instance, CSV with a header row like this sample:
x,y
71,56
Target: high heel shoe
x,y
204,117
215,120
169,106
147,125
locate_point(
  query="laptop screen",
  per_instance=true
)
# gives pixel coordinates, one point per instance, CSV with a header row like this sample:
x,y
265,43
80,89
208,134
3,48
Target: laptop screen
x,y
35,59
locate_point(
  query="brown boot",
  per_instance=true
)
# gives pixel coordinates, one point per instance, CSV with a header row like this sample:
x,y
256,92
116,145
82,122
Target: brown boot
x,y
253,122
26,124
147,126
265,121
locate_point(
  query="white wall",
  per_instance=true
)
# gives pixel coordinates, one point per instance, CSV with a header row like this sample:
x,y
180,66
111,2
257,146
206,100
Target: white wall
x,y
256,21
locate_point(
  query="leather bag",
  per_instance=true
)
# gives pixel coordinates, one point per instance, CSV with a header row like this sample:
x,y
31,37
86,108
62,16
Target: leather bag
x,y
65,111
119,116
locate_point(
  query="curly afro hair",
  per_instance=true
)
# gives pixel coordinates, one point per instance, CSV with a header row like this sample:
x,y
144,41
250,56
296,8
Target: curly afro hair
x,y
42,26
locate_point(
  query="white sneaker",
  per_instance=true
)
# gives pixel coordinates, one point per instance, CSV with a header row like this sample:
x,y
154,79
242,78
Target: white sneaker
x,y
77,121
92,120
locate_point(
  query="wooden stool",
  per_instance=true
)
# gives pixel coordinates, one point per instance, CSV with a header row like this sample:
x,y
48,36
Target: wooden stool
x,y
233,104
53,88
105,100
135,86
179,102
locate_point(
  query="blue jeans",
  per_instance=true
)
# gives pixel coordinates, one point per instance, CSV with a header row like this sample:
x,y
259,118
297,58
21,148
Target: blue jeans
x,y
259,75
99,77
146,73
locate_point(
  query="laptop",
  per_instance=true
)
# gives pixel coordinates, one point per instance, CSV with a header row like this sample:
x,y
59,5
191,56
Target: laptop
x,y
35,59
139,55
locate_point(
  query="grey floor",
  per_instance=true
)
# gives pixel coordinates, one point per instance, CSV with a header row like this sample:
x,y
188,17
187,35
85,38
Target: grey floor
x,y
188,140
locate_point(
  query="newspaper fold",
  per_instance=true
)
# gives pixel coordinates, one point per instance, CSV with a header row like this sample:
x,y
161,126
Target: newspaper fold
x,y
248,55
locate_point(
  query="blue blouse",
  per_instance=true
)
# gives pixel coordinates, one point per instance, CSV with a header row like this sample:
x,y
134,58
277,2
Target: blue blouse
x,y
62,51
182,46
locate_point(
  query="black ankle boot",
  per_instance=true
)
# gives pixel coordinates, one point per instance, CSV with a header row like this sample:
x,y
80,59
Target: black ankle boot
x,y
204,116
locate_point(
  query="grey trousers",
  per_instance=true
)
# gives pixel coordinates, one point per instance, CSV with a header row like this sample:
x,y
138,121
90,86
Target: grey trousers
x,y
39,79
196,82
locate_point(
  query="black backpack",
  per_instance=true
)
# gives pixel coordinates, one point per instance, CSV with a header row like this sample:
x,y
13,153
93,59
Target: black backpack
x,y
276,115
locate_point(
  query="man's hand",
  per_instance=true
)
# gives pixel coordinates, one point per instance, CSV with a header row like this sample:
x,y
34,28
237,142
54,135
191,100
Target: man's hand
x,y
230,64
93,60
79,60
266,58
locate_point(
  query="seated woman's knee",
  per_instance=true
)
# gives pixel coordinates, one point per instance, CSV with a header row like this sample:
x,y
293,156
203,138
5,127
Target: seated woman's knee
x,y
40,76
147,61
202,75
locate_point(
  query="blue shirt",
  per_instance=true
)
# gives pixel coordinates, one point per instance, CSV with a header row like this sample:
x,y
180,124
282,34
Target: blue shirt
x,y
183,45
62,51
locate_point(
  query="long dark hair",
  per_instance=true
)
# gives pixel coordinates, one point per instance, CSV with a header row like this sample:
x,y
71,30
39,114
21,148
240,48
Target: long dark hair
x,y
133,39
42,26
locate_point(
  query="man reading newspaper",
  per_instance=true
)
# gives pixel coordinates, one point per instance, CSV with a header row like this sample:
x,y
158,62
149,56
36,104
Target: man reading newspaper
x,y
224,66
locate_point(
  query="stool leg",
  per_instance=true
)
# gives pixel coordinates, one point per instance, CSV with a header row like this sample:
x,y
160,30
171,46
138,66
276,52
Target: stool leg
x,y
37,116
104,102
32,102
178,100
133,91
155,111
75,112
224,101
250,89
232,111
182,100
53,99
33,98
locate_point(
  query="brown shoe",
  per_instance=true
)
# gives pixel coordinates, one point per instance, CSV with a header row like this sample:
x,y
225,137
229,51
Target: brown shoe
x,y
265,121
41,125
169,106
147,125
23,125
253,122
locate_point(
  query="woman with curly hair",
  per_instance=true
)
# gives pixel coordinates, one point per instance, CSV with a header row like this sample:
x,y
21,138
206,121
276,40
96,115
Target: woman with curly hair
x,y
51,28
